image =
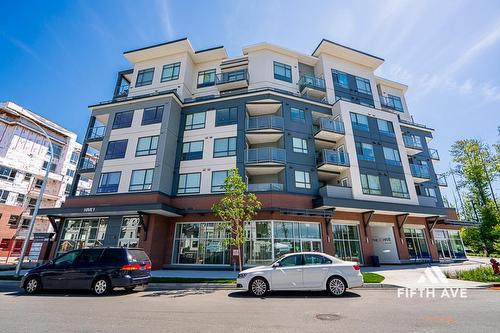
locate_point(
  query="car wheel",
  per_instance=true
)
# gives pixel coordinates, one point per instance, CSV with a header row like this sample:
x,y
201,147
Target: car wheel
x,y
32,285
336,286
101,286
258,287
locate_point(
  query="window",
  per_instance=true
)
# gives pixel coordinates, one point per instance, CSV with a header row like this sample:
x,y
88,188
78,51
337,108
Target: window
x,y
316,259
370,184
38,183
225,147
4,244
67,190
359,121
429,192
299,145
109,182
123,119
395,103
13,220
145,77
25,223
218,178
116,149
20,198
4,195
53,166
67,259
344,182
141,180
297,115
365,151
189,183
195,121
282,72
31,203
417,245
295,260
7,173
302,179
363,85
385,127
398,187
206,78
152,115
82,233
340,79
226,116
192,151
129,233
147,145
57,150
170,72
346,242
88,257
74,157
27,176
70,172
391,156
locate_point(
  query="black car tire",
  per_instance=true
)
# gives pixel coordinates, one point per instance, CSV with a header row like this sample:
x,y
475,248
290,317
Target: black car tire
x,y
32,285
101,286
258,287
336,286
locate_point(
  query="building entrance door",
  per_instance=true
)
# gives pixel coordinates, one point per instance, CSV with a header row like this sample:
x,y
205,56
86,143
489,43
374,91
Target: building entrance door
x,y
384,243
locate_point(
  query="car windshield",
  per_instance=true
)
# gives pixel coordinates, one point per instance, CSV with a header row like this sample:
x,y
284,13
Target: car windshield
x,y
137,256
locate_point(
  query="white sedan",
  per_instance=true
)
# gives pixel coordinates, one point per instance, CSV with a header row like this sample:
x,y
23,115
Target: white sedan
x,y
302,271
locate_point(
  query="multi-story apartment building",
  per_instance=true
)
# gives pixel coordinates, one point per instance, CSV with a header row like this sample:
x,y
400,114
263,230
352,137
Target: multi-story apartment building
x,y
24,160
329,147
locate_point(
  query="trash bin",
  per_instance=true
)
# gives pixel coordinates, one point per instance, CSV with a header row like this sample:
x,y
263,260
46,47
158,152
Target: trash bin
x,y
375,261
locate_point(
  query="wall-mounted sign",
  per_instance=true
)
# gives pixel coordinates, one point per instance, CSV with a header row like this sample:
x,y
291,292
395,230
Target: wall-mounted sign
x,y
236,252
89,210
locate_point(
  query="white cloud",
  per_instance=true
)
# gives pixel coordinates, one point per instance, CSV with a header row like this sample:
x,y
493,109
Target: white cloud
x,y
165,18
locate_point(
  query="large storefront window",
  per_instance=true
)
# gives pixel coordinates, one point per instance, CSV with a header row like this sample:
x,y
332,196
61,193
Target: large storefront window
x,y
269,240
82,233
449,244
346,242
199,243
417,245
129,233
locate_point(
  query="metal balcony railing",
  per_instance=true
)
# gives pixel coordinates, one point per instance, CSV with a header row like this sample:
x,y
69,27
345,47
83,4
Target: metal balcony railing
x,y
412,141
433,153
420,171
335,157
309,81
327,124
228,77
96,133
86,164
265,155
265,187
265,122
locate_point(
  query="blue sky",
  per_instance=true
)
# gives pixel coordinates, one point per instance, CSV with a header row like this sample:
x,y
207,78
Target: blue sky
x,y
58,57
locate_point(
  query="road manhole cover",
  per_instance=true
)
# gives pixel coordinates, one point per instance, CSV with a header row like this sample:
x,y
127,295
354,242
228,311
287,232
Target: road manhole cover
x,y
328,316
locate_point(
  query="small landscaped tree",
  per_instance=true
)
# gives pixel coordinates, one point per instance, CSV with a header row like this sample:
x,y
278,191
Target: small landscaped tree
x,y
234,209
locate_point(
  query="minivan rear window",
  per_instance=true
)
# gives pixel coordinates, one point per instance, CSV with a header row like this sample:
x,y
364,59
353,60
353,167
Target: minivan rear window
x,y
113,256
137,255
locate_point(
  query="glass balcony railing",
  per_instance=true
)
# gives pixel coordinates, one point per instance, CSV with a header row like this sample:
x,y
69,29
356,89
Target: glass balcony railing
x,y
331,125
393,103
441,180
265,122
412,141
122,91
433,153
96,133
310,81
86,164
228,77
335,157
265,187
265,155
420,171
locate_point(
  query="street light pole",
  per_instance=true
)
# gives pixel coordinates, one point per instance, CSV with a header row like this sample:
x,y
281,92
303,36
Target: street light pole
x,y
38,200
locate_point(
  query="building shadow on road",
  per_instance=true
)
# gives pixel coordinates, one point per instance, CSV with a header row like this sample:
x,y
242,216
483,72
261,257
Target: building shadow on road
x,y
179,293
66,293
293,294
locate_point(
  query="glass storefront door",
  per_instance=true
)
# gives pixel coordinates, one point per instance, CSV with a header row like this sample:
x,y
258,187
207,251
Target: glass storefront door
x,y
449,244
346,242
417,245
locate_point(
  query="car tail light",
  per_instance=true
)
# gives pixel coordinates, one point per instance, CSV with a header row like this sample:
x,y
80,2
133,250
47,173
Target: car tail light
x,y
356,267
131,267
147,266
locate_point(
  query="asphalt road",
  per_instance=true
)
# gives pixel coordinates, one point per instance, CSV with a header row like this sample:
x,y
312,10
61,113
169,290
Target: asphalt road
x,y
233,311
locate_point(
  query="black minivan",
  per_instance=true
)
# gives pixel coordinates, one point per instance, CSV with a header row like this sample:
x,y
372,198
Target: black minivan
x,y
95,269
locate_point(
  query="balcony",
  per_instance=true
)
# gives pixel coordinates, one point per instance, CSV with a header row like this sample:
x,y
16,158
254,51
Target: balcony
x,y
391,103
265,187
441,180
332,161
313,87
86,166
427,201
413,144
332,191
232,80
96,133
266,160
330,130
433,154
264,129
420,173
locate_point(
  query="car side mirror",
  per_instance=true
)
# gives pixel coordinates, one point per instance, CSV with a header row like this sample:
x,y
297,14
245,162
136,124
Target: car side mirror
x,y
276,264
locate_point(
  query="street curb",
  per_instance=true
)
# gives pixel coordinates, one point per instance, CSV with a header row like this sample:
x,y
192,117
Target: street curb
x,y
378,286
186,286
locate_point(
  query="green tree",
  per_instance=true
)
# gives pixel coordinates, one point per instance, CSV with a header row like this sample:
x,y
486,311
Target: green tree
x,y
234,209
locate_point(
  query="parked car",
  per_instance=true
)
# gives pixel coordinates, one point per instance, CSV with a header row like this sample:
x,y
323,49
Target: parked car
x,y
302,271
96,269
